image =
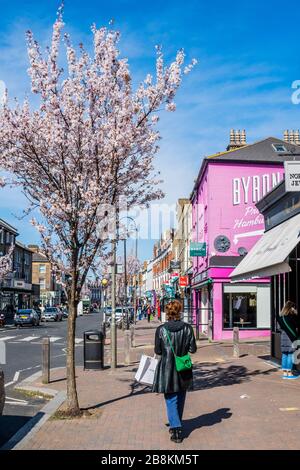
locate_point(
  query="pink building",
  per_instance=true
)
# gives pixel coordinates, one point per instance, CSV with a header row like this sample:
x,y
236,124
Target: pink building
x,y
226,220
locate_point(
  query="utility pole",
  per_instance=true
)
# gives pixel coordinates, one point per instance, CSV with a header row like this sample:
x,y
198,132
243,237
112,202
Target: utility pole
x,y
113,329
125,283
136,283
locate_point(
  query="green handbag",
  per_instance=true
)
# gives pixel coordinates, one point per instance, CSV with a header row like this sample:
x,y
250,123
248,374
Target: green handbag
x,y
182,363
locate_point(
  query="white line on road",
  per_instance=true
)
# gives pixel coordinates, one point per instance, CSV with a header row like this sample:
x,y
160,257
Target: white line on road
x,y
16,376
55,338
78,340
6,338
29,338
15,403
16,399
9,383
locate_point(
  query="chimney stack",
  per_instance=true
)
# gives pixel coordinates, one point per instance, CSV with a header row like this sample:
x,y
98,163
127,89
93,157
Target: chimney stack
x,y
237,139
292,137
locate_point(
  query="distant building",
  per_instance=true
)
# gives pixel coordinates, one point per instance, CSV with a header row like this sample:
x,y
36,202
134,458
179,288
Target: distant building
x,y
162,257
16,290
226,225
51,292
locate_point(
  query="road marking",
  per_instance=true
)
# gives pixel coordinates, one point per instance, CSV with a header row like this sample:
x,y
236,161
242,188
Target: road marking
x,y
55,338
9,383
16,376
15,403
29,338
78,340
16,399
289,409
6,338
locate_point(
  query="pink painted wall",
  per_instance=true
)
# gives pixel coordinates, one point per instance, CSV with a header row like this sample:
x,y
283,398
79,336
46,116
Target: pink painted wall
x,y
225,205
233,191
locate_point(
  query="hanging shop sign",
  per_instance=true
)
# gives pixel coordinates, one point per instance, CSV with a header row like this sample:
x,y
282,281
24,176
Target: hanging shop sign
x,y
198,249
174,264
183,281
292,176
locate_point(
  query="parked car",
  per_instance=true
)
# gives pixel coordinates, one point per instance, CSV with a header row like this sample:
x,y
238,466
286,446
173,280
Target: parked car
x,y
52,313
26,317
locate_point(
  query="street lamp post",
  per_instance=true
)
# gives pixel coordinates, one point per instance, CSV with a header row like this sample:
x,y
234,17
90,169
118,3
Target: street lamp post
x,y
125,284
136,255
113,329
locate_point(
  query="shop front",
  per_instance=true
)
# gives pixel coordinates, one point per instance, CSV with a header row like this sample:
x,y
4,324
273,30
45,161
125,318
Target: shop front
x,y
12,299
277,254
221,306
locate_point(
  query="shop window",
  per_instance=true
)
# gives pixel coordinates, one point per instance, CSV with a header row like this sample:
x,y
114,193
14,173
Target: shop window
x,y
42,268
240,309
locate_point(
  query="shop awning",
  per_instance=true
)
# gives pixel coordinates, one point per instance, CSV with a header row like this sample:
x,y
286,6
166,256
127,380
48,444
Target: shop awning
x,y
269,256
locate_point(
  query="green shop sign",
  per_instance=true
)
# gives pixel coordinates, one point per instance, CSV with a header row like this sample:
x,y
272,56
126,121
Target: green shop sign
x,y
169,291
198,249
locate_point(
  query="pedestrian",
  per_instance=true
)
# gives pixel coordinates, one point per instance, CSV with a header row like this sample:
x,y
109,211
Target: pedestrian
x,y
174,338
149,313
289,327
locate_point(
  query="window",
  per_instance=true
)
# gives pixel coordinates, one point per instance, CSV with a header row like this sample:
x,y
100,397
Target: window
x,y
42,283
42,268
240,309
279,148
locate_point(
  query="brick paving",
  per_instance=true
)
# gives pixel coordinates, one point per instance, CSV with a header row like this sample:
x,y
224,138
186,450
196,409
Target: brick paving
x,y
216,417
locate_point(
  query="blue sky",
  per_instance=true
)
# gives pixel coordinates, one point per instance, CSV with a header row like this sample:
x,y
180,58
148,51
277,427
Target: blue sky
x,y
248,58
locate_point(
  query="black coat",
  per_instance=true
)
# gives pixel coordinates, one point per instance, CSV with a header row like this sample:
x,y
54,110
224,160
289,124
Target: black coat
x,y
167,379
288,334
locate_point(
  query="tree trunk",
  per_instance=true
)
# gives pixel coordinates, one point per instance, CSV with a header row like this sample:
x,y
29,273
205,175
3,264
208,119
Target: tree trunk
x,y
72,398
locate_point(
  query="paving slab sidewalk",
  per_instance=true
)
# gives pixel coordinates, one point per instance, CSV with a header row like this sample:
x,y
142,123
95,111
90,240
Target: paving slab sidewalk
x,y
237,404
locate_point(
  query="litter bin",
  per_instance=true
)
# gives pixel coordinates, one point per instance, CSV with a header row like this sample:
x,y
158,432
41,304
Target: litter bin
x,y
93,350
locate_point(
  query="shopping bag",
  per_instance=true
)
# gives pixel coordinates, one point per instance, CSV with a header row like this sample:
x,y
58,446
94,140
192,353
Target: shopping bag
x,y
146,371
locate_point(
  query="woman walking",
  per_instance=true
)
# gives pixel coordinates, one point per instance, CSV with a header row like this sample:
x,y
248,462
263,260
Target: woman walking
x,y
289,325
173,341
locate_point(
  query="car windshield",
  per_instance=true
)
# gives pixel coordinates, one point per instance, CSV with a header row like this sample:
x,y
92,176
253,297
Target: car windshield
x,y
24,312
50,310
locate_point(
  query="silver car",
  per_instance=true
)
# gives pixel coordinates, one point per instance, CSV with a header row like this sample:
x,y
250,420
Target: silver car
x,y
52,313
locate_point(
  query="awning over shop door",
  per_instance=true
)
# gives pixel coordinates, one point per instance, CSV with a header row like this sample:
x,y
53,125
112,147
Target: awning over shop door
x,y
269,256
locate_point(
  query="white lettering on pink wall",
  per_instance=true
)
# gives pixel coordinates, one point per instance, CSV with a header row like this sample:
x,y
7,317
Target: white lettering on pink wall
x,y
250,189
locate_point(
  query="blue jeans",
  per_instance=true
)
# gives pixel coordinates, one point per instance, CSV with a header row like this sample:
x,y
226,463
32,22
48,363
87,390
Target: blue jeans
x,y
175,405
287,361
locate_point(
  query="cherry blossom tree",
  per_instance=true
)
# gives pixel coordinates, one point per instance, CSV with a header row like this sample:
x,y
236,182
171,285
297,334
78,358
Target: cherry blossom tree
x,y
6,263
91,141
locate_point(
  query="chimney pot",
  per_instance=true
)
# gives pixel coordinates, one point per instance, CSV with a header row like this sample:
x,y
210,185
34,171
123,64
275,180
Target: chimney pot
x,y
237,139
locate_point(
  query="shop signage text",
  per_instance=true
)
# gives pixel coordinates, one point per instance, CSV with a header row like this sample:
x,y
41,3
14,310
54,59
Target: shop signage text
x,y
250,189
198,249
292,176
183,281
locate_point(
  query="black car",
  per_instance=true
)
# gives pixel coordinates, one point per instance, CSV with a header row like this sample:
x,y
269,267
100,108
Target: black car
x,y
26,316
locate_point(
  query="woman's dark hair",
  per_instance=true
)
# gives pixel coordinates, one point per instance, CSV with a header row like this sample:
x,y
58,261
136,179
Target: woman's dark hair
x,y
173,310
288,309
